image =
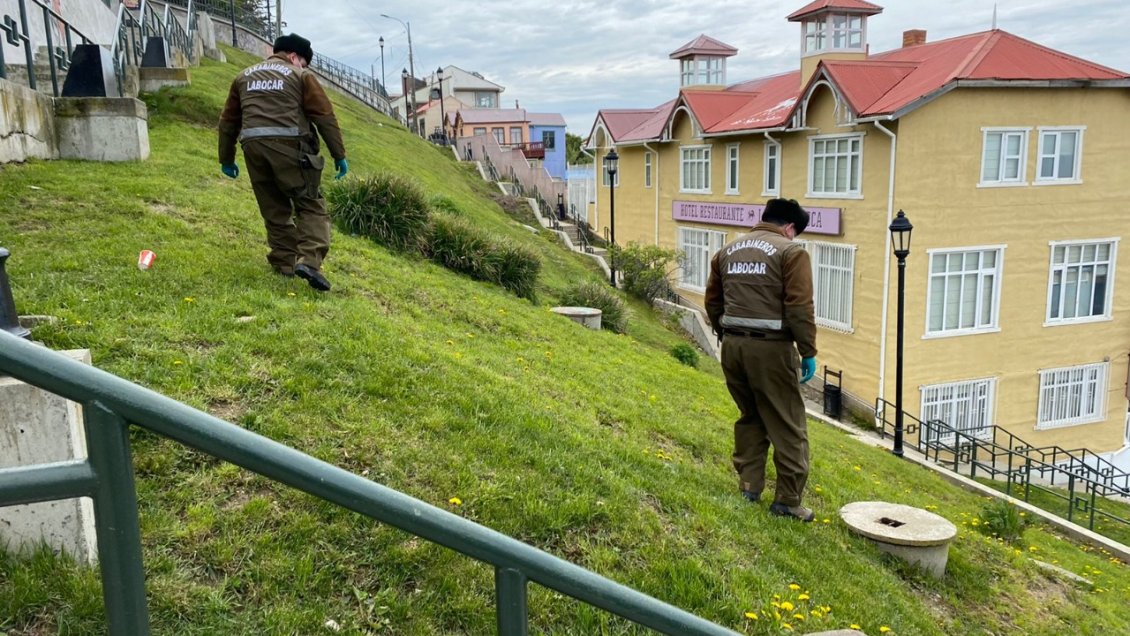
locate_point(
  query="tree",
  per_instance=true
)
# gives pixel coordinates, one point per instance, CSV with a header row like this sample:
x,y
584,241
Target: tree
x,y
573,152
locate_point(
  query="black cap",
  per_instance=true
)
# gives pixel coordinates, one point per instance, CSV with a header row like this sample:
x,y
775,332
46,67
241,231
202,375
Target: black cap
x,y
294,43
785,211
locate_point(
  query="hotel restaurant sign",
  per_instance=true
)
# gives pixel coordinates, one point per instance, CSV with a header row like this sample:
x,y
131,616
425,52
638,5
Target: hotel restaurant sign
x,y
821,220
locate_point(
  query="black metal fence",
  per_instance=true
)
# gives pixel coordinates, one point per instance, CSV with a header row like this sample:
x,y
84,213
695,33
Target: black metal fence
x,y
18,34
995,454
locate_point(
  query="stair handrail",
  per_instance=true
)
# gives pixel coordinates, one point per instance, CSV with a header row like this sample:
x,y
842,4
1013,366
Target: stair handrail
x,y
112,404
59,57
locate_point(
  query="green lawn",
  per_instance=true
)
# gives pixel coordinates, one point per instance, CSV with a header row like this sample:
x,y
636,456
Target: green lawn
x,y
599,448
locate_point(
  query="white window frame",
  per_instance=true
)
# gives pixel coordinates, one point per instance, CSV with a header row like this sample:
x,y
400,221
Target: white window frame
x,y
1001,180
499,135
943,278
819,35
707,243
733,168
702,69
1043,153
516,139
647,169
1111,266
480,130
771,183
854,163
604,175
832,263
703,169
1070,396
968,407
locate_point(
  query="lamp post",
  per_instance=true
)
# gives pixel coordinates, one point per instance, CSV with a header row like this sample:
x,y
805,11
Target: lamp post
x,y
411,65
900,238
442,117
610,164
404,90
9,319
381,42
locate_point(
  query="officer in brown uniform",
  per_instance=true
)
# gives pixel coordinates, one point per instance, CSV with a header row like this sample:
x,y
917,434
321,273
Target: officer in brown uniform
x,y
759,299
270,109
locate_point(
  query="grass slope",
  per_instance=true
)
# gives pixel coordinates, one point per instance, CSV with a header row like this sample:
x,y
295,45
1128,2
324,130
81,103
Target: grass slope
x,y
599,448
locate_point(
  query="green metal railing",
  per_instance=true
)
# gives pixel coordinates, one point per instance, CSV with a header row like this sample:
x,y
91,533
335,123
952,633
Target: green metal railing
x,y
111,405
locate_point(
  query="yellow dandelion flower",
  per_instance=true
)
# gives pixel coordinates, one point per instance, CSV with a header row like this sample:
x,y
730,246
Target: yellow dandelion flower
x,y
884,629
177,362
469,335
1031,548
803,597
786,627
827,521
855,626
751,616
455,501
450,342
776,604
794,587
290,293
857,468
817,613
787,606
799,617
189,299
818,489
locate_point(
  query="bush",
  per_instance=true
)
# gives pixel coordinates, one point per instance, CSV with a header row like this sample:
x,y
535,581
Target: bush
x,y
441,203
459,246
686,354
613,314
1002,519
645,269
388,209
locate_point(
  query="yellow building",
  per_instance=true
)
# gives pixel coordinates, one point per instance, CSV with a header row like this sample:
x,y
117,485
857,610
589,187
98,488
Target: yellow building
x,y
1011,160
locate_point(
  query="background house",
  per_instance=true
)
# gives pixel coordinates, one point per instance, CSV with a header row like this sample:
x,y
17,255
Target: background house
x,y
549,129
459,89
1010,159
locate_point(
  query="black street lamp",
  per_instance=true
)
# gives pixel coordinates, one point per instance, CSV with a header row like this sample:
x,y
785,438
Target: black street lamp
x,y
381,41
9,319
900,238
442,117
610,163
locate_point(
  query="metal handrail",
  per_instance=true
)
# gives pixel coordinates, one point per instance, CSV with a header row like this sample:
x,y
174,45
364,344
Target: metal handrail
x,y
996,452
59,57
111,405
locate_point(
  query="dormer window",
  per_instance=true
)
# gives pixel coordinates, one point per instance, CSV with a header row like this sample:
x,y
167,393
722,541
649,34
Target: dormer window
x,y
834,32
700,70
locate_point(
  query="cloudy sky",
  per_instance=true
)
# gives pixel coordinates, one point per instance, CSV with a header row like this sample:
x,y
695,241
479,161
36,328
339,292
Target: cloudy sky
x,y
577,56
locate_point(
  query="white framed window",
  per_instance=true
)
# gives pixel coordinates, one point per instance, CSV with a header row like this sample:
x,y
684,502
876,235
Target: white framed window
x,y
733,158
698,247
1072,395
480,130
1060,155
499,135
515,135
647,169
833,275
484,99
964,291
965,406
1004,155
1081,281
608,182
694,173
835,164
702,70
834,32
772,184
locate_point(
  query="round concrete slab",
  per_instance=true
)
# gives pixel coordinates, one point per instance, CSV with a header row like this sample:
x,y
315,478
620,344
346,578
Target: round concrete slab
x,y
897,524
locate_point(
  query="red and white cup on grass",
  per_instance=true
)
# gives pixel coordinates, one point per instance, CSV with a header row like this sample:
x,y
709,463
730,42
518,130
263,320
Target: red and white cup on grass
x,y
145,259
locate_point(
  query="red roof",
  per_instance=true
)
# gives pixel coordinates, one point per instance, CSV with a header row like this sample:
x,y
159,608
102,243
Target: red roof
x,y
703,45
890,83
839,6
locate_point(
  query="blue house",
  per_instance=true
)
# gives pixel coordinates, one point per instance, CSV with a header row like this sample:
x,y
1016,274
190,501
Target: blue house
x,y
549,128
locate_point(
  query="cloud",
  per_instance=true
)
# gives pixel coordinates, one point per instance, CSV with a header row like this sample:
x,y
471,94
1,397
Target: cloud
x,y
575,57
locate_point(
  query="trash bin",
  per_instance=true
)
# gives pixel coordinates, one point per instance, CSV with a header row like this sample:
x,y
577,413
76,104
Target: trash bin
x,y
833,394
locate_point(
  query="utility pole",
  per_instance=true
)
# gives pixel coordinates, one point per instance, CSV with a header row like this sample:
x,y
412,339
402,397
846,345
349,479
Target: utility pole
x,y
411,70
278,17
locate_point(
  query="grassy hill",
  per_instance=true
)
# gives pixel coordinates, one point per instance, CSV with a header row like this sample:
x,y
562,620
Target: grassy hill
x,y
596,447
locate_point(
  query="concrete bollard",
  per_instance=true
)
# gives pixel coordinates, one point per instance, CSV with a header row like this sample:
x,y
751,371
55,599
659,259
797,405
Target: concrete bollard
x,y
914,535
586,316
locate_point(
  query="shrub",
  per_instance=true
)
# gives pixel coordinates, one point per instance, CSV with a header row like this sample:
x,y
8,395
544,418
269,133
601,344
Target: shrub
x,y
1002,519
645,269
686,354
441,203
613,314
459,246
386,208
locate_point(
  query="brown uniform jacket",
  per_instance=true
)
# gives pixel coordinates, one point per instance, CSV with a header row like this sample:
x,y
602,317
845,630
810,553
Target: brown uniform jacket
x,y
763,282
275,98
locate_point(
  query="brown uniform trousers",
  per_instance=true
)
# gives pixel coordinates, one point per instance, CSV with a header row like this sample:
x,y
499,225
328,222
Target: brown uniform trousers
x,y
287,184
761,375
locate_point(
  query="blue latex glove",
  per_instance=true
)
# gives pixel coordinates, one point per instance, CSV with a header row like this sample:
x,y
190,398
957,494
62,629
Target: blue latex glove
x,y
342,167
230,169
807,369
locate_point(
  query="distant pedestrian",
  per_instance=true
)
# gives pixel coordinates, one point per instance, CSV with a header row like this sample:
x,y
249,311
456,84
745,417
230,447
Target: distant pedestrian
x,y
270,109
759,299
